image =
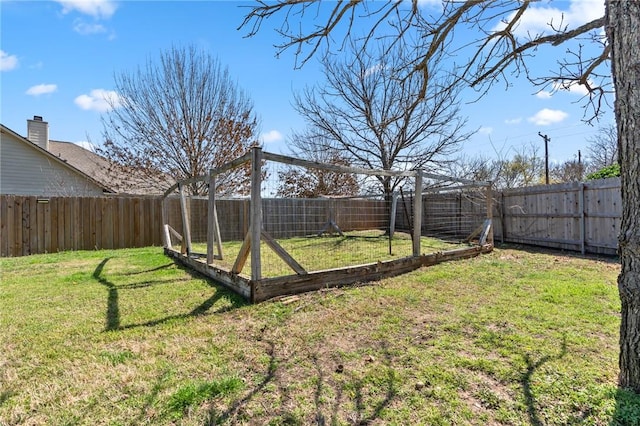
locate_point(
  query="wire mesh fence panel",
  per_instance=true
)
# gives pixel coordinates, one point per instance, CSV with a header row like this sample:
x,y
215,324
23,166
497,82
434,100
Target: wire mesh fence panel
x,y
451,211
316,217
326,219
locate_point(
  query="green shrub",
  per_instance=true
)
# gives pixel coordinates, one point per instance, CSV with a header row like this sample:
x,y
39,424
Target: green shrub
x,y
606,172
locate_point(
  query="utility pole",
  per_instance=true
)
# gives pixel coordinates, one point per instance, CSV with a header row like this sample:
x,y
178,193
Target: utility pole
x,y
580,165
546,156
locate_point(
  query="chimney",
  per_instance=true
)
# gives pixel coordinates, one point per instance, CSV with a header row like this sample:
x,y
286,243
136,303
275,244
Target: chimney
x,y
38,132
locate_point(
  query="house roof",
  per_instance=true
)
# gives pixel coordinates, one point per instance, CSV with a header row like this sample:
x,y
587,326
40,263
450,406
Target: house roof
x,y
58,159
106,171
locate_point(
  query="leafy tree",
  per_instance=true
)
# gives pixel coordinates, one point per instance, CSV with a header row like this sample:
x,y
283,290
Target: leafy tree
x,y
497,50
612,170
177,118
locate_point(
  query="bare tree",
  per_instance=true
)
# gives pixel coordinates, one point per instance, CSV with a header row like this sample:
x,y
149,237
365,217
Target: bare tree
x,y
524,168
310,183
177,118
569,171
603,147
496,52
369,112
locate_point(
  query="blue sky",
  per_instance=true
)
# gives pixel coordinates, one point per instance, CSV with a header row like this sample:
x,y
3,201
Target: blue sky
x,y
58,59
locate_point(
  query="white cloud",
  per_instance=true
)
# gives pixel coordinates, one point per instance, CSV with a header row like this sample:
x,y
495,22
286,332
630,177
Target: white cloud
x,y
546,116
569,86
271,136
100,9
572,87
543,94
540,19
517,120
485,130
7,62
41,89
99,100
84,28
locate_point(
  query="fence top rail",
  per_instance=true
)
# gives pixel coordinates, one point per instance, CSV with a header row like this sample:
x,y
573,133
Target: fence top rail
x,y
269,156
216,171
334,167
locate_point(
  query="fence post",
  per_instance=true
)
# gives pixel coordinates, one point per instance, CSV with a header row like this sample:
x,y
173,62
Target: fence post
x,y
211,216
417,214
256,212
581,207
392,218
186,230
213,226
503,225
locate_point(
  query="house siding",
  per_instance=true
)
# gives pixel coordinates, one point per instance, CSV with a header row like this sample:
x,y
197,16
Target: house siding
x,y
26,170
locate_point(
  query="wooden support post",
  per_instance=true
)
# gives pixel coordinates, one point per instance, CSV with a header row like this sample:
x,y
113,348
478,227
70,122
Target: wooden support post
x,y
490,213
243,254
282,253
186,230
256,212
211,205
417,215
166,238
213,227
392,218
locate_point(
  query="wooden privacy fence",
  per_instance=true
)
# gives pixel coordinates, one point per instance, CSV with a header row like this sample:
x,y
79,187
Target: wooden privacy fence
x,y
30,225
579,216
575,216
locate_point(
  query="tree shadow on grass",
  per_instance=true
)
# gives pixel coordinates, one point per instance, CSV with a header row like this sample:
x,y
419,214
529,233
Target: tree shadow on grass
x,y
113,321
627,411
525,380
216,418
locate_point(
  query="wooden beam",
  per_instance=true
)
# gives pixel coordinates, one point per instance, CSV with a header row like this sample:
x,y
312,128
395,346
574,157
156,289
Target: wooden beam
x,y
234,282
392,218
282,253
243,254
186,230
269,288
334,167
486,233
233,164
174,233
213,227
166,236
417,215
489,235
256,212
474,234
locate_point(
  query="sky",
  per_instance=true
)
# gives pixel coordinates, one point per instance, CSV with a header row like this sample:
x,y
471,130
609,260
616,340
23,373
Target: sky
x,y
58,60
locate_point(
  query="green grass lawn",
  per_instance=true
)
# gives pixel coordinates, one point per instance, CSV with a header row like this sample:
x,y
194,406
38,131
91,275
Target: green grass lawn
x,y
328,252
126,337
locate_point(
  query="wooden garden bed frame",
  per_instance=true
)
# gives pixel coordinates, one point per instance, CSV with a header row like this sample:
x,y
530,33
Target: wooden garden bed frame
x,y
255,287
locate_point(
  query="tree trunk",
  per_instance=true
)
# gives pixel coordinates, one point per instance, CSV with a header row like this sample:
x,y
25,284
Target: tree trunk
x,y
623,29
